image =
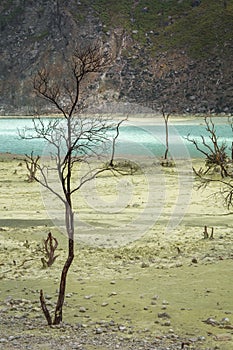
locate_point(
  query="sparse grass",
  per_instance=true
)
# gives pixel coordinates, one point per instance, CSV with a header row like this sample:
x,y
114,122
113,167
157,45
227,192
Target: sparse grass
x,y
171,24
158,25
204,29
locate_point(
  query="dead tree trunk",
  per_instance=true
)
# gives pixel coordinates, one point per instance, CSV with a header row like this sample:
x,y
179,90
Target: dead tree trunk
x,y
206,235
68,262
62,289
44,308
166,118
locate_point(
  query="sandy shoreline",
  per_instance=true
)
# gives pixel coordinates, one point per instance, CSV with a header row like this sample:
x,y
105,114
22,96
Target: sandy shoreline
x,y
141,119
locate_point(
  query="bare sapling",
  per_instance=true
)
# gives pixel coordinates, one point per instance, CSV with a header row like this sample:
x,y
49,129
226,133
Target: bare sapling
x,y
206,233
75,141
165,161
166,118
31,164
50,245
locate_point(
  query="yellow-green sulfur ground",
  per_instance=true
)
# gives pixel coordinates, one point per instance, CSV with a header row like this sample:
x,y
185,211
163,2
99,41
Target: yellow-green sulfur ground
x,y
170,280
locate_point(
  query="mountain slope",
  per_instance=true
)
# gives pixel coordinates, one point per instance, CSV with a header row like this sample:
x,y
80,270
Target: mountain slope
x,y
176,53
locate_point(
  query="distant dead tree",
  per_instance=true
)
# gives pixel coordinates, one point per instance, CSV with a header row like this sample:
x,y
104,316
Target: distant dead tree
x,y
31,164
74,139
219,167
216,158
166,118
165,161
206,234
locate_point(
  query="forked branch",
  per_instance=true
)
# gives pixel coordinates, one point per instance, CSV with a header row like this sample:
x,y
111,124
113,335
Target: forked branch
x,y
215,152
32,166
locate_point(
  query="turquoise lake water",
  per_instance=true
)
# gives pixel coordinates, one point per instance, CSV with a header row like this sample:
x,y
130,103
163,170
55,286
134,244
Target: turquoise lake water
x,y
135,138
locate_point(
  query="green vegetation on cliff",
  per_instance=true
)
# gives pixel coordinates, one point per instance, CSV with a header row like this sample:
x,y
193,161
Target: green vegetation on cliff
x,y
178,51
198,27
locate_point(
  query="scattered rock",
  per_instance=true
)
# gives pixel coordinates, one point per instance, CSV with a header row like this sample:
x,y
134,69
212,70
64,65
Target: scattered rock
x,y
3,340
104,304
82,309
88,296
144,265
48,297
222,337
211,321
225,321
163,315
99,331
69,295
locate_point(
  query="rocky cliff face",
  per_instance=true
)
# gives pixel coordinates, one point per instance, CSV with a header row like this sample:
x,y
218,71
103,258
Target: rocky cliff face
x,y
45,32
181,84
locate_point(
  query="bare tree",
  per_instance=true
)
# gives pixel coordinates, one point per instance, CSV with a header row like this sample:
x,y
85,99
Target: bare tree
x,y
73,140
215,153
166,118
225,191
219,167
